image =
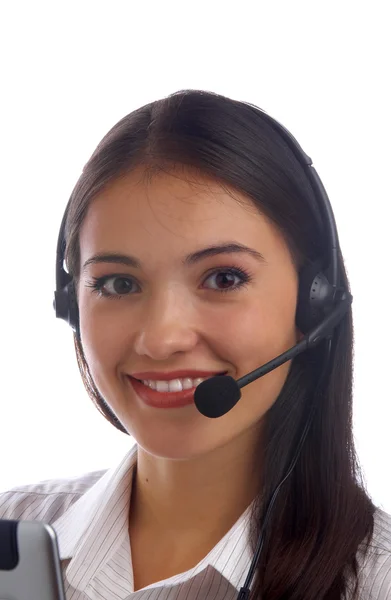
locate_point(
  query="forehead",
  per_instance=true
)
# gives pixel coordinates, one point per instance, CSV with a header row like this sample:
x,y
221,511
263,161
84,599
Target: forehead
x,y
172,209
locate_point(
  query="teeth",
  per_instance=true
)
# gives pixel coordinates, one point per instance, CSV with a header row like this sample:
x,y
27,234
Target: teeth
x,y
174,385
162,386
187,383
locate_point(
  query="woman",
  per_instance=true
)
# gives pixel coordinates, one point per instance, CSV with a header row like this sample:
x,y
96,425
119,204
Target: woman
x,y
187,236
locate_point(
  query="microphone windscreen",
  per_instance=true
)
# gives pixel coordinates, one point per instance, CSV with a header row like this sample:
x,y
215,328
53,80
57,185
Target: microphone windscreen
x,y
216,396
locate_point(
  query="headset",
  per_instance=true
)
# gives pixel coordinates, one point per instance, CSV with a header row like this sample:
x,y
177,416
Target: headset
x,y
321,305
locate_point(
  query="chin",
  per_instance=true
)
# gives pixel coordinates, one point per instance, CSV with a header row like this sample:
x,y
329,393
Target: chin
x,y
182,443
172,448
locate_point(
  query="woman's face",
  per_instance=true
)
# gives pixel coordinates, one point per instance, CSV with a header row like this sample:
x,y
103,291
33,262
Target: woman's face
x,y
166,302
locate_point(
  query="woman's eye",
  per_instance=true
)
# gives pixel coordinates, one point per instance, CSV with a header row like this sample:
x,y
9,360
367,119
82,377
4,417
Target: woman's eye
x,y
114,286
227,280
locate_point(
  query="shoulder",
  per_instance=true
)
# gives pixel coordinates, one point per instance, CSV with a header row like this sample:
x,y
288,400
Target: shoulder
x,y
375,571
46,500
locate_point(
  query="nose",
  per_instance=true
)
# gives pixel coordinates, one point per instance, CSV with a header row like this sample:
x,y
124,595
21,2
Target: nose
x,y
167,326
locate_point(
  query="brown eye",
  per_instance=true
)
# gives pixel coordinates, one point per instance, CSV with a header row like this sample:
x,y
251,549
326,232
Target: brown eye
x,y
118,286
224,280
114,286
227,280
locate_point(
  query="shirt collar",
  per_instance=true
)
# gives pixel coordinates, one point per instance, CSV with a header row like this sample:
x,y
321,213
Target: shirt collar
x,y
79,522
95,527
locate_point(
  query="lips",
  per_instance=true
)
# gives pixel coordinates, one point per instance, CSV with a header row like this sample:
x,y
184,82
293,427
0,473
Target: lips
x,y
155,399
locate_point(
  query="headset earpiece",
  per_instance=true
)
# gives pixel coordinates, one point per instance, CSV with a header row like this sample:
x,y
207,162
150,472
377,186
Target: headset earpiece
x,y
65,305
65,299
315,297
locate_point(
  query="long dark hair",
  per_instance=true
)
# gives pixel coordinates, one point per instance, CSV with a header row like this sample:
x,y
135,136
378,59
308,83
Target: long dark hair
x,y
323,517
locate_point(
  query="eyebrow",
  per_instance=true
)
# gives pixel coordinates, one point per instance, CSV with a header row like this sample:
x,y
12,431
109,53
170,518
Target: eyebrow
x,y
190,259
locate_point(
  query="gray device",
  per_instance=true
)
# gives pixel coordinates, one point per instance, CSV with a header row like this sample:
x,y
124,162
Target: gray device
x,y
29,562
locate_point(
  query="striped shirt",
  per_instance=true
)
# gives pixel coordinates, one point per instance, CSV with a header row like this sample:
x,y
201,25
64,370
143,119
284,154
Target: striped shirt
x,y
90,516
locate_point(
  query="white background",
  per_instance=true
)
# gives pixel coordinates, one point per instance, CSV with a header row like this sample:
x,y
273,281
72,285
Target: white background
x,y
70,70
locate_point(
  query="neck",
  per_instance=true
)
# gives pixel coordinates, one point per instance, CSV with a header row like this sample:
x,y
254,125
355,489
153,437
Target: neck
x,y
204,494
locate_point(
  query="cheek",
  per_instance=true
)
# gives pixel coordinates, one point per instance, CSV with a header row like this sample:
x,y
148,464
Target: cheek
x,y
264,330
255,332
103,335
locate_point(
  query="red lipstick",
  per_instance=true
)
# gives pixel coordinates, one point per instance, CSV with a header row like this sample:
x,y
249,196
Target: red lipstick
x,y
157,399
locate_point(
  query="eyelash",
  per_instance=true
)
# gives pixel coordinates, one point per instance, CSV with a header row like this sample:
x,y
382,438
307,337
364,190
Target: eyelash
x,y
97,283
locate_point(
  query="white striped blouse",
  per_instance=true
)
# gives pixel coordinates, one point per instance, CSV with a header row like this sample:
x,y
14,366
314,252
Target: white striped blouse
x,y
90,516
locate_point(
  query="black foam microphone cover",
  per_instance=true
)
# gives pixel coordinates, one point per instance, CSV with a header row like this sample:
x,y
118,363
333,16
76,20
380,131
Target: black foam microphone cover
x,y
216,396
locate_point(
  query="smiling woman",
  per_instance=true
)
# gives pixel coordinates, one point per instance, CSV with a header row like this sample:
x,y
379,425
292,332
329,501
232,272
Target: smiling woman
x,y
187,290
189,239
